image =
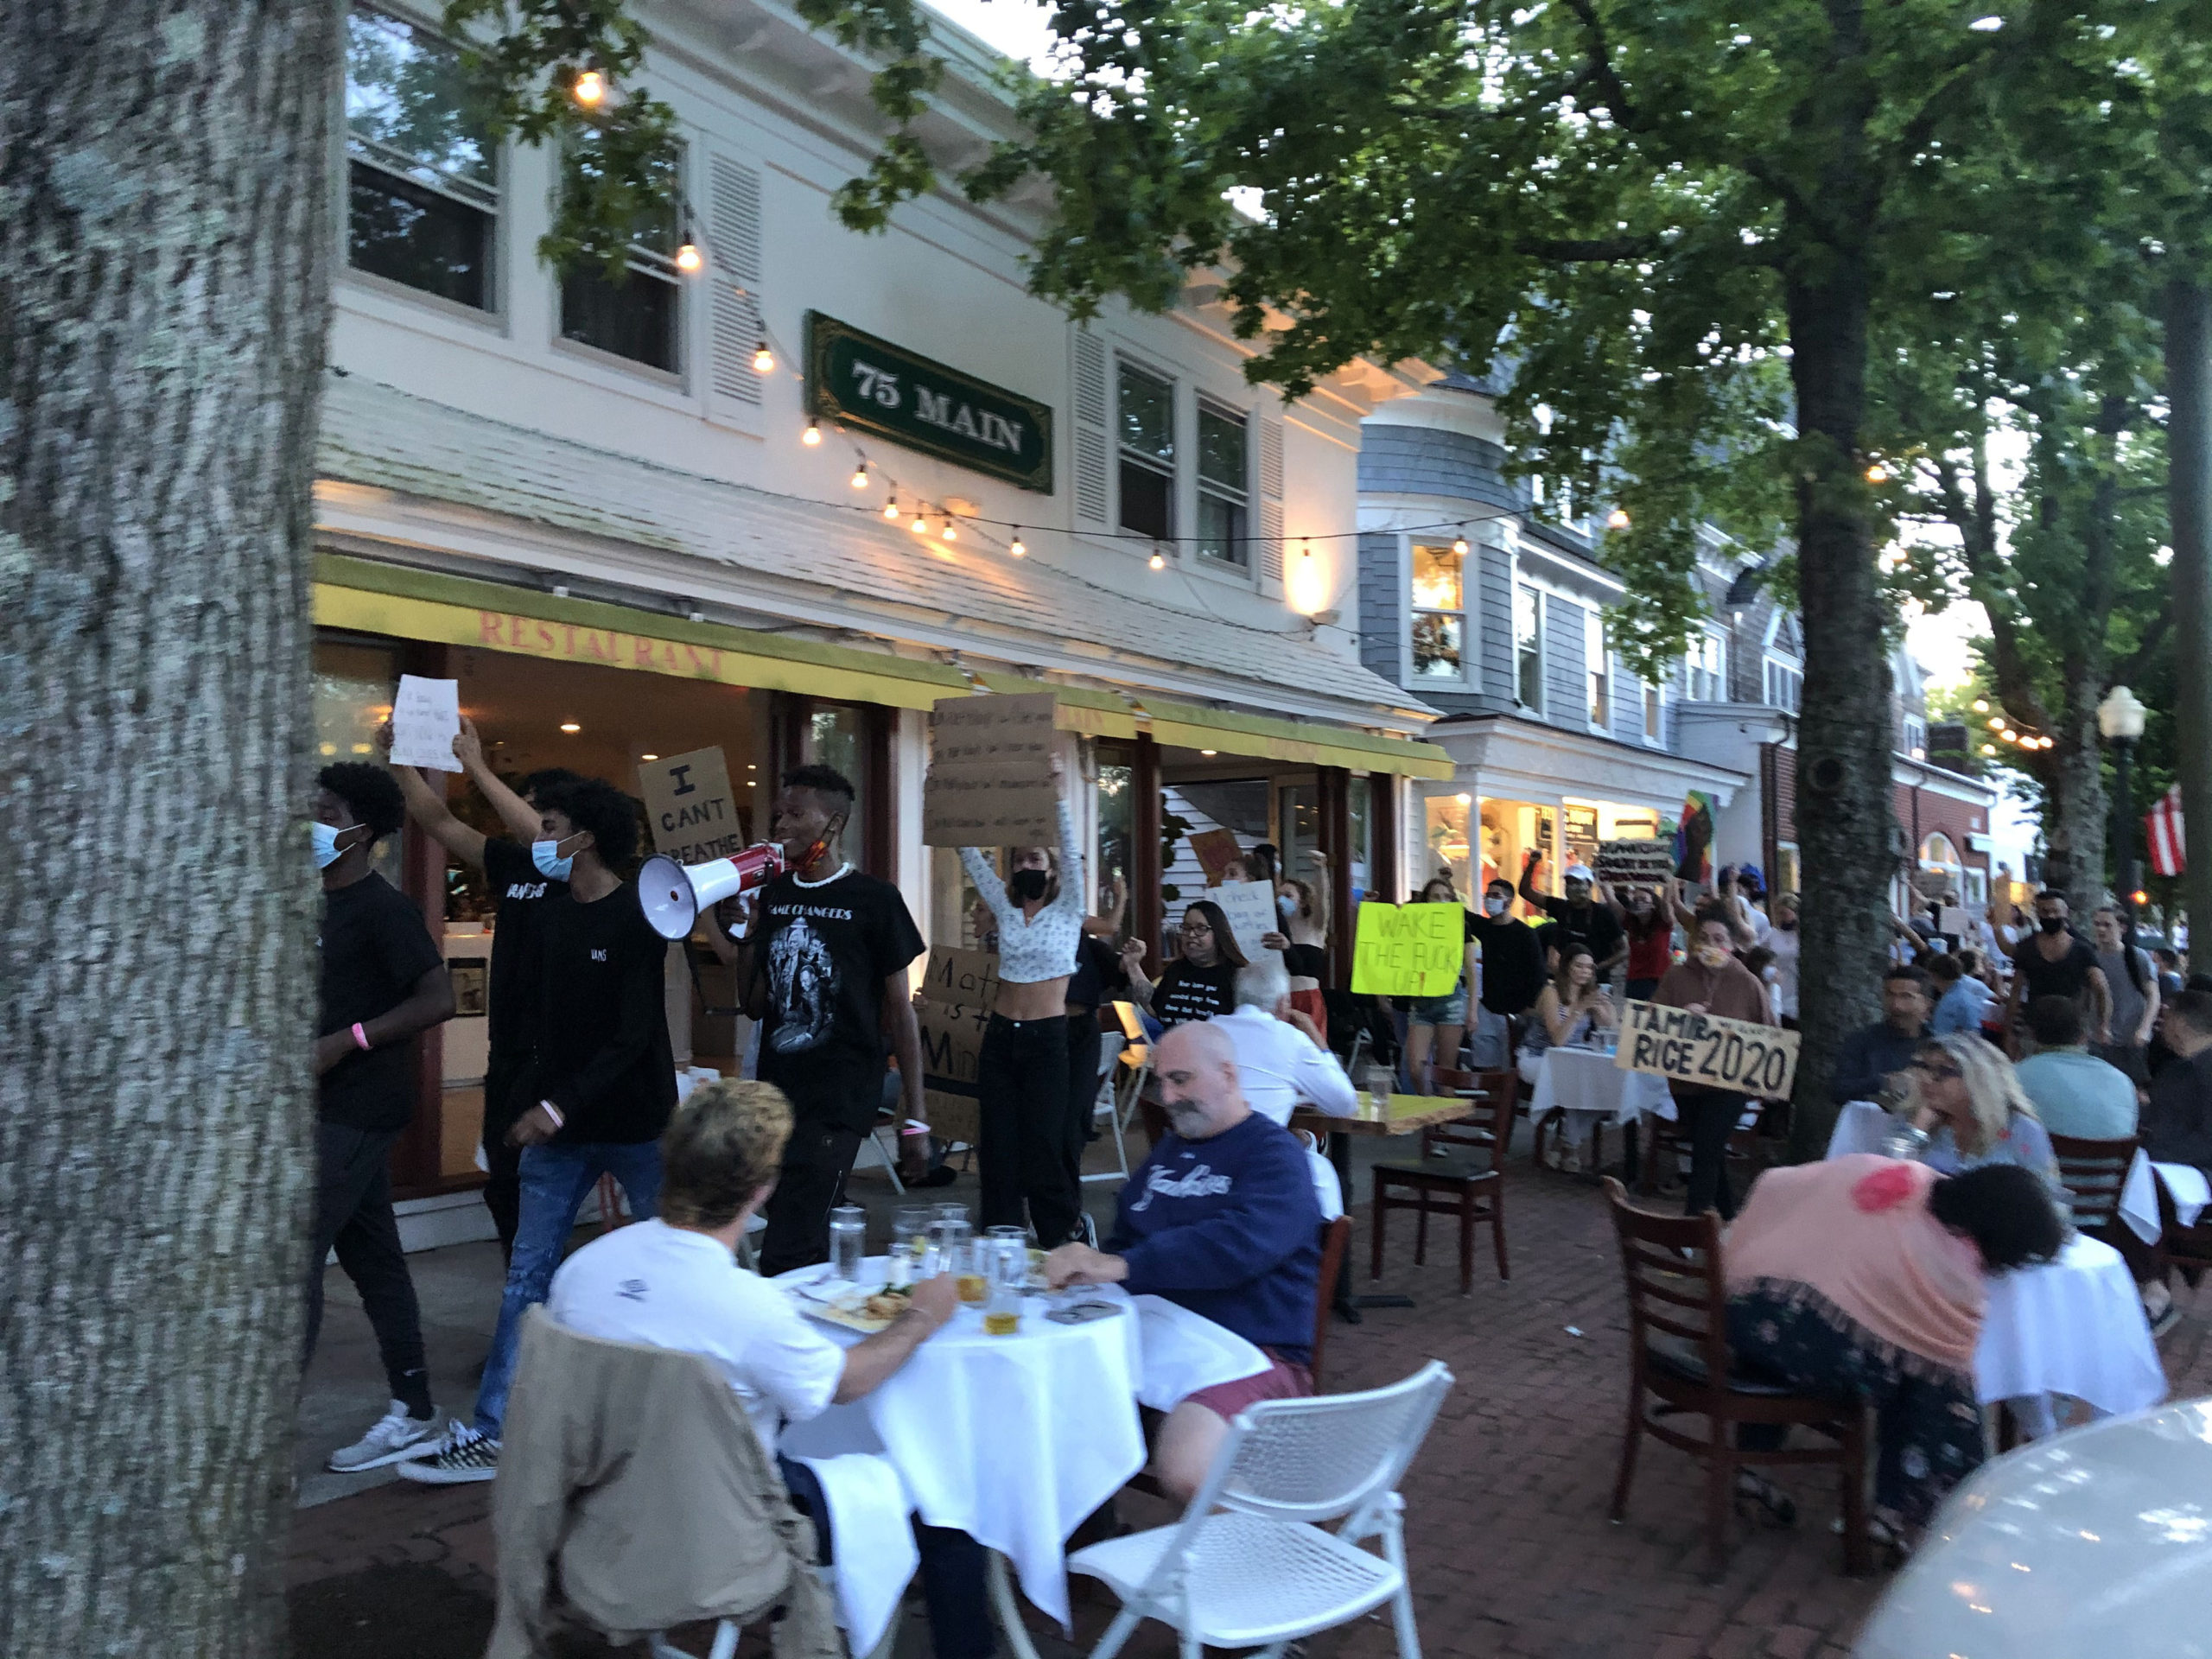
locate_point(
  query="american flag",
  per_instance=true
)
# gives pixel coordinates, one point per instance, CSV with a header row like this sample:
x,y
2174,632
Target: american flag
x,y
2162,828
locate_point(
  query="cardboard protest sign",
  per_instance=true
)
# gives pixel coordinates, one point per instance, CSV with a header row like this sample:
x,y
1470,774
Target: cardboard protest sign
x,y
958,993
425,720
690,806
1704,1049
1633,863
1218,856
1250,907
990,780
1408,950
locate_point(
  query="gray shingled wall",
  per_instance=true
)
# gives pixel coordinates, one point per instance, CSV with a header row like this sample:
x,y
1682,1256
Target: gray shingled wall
x,y
1422,461
1495,625
1381,605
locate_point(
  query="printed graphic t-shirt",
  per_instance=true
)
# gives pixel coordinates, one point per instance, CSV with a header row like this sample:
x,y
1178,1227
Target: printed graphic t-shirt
x,y
510,1002
825,950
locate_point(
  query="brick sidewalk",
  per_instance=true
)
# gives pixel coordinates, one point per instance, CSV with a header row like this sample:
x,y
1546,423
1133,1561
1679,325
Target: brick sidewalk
x,y
1511,1548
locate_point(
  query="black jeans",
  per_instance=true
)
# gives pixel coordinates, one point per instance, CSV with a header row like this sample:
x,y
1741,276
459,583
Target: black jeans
x,y
812,1183
354,1215
503,1172
1708,1118
1021,1098
952,1571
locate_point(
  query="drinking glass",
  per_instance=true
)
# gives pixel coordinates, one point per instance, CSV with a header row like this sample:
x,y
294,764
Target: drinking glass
x,y
1008,1260
909,1227
847,1241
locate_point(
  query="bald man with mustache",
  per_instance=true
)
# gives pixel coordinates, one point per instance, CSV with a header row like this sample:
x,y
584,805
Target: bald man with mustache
x,y
1221,1220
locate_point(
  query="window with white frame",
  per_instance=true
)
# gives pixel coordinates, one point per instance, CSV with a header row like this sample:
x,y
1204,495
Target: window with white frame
x,y
640,316
1785,685
1440,612
1528,647
1145,405
423,181
1598,661
1223,485
1654,712
1705,669
1915,737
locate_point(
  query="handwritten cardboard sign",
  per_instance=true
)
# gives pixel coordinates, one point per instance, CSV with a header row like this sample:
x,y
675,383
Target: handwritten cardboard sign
x,y
1704,1049
1408,950
990,780
425,720
958,993
689,801
1218,856
1250,907
1632,863
962,976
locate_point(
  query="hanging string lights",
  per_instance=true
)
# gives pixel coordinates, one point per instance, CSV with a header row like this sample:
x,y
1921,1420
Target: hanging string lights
x,y
812,436
860,476
588,89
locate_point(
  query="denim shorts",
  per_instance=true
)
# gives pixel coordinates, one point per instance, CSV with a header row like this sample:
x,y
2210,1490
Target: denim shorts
x,y
1449,1009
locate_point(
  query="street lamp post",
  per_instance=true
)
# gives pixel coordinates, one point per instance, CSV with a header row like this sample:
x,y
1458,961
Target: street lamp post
x,y
2119,717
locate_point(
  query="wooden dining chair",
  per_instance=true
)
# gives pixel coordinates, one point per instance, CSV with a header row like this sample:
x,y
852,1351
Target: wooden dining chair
x,y
1458,1172
2093,1173
1679,1364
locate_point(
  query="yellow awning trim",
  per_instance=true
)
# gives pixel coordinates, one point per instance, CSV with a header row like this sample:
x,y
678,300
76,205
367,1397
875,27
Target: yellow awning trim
x,y
367,597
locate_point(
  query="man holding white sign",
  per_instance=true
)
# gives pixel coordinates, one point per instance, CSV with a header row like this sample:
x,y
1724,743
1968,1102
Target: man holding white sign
x,y
1712,982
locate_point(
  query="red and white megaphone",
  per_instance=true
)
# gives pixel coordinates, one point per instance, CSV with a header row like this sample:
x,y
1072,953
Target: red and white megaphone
x,y
672,895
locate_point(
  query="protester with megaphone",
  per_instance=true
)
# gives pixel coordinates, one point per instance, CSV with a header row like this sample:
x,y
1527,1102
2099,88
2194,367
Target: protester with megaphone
x,y
597,1092
821,962
515,872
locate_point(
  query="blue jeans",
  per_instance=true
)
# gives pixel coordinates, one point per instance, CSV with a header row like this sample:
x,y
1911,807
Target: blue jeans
x,y
554,1180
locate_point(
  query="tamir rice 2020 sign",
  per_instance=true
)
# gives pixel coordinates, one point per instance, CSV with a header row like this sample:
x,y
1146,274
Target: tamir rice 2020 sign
x,y
872,385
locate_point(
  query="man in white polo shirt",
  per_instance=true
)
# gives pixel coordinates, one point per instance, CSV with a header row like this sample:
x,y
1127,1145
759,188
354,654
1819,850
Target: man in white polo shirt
x,y
1282,1063
674,1282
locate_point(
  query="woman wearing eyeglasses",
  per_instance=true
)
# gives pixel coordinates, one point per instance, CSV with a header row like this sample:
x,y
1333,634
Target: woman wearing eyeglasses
x,y
1965,1096
1201,982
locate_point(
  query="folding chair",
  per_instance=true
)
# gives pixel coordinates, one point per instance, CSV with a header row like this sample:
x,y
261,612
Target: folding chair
x,y
1250,1563
1105,1100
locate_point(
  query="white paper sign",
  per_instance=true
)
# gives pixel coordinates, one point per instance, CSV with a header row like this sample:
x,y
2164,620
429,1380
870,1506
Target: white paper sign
x,y
1250,907
425,720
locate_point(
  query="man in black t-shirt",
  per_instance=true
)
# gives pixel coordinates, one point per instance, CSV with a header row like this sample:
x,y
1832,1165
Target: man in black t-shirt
x,y
2055,962
1513,956
596,1091
1577,918
383,979
823,963
523,874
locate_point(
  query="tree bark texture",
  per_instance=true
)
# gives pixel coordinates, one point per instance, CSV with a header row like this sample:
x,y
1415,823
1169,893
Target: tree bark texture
x,y
165,231
2188,460
1846,821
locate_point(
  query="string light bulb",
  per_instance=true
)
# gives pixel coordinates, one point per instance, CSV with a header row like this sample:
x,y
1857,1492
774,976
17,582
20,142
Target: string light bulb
x,y
812,435
1017,547
891,509
1877,474
860,476
2010,737
764,360
1981,705
1996,722
588,89
1989,748
1459,543
689,258
920,526
950,533
1617,518
1159,561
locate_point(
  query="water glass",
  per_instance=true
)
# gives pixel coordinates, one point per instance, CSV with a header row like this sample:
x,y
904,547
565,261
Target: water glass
x,y
847,1241
909,1227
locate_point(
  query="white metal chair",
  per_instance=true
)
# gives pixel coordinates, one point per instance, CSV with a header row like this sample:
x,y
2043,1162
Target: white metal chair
x,y
1250,1564
1106,1102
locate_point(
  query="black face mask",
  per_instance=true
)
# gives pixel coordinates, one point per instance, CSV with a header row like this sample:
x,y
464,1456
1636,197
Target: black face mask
x,y
1787,924
1027,885
2051,924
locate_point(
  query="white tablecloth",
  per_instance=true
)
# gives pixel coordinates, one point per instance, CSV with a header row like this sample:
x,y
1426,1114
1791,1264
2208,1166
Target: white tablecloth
x,y
1014,1440
2075,1326
2139,1199
1860,1126
1590,1088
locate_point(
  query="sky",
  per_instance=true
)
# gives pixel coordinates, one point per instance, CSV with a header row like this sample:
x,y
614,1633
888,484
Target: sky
x,y
1016,28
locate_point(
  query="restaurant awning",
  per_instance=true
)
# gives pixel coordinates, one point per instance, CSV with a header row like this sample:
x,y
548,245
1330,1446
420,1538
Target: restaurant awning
x,y
370,596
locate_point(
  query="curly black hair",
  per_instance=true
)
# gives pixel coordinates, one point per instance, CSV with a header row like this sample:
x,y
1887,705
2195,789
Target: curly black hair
x,y
2006,1210
610,815
534,784
823,780
370,792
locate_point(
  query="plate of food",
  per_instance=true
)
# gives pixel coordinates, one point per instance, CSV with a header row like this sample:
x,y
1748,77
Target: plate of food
x,y
865,1308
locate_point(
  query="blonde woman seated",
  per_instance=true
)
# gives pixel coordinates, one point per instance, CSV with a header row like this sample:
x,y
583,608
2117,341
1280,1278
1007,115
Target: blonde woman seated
x,y
1966,1098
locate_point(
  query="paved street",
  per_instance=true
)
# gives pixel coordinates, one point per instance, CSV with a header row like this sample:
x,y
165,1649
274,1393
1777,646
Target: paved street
x,y
1512,1554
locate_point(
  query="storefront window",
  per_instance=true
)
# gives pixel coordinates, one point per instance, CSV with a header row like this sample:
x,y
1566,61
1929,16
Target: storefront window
x,y
1582,837
1117,807
1786,868
1440,614
1450,854
1940,857
838,734
354,683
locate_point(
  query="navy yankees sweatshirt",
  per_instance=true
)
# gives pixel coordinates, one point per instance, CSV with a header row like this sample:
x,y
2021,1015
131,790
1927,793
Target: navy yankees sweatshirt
x,y
1227,1227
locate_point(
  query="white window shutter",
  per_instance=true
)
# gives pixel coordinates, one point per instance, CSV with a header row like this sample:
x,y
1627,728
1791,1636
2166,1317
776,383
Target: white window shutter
x,y
733,227
1093,449
1268,565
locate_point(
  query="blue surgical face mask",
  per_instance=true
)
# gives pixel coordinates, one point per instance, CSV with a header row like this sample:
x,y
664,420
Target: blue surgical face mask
x,y
328,852
546,854
1287,903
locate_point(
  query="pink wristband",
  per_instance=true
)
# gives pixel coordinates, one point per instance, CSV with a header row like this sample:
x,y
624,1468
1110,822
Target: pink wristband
x,y
361,1036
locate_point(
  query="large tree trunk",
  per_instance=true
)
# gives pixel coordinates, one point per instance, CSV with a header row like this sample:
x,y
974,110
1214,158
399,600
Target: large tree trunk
x,y
2073,793
1846,824
2188,460
165,223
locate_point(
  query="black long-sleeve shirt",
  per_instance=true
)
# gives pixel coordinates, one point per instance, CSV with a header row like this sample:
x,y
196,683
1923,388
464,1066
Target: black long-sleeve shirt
x,y
601,1052
1867,1057
2177,1125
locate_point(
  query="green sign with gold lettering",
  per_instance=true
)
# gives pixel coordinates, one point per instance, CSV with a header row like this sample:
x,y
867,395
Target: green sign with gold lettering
x,y
872,385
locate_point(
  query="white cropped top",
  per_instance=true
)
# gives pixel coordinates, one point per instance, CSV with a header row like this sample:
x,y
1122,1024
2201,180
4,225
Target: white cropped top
x,y
1044,948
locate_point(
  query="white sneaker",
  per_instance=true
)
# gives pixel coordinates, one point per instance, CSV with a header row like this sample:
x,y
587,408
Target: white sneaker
x,y
463,1455
395,1436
